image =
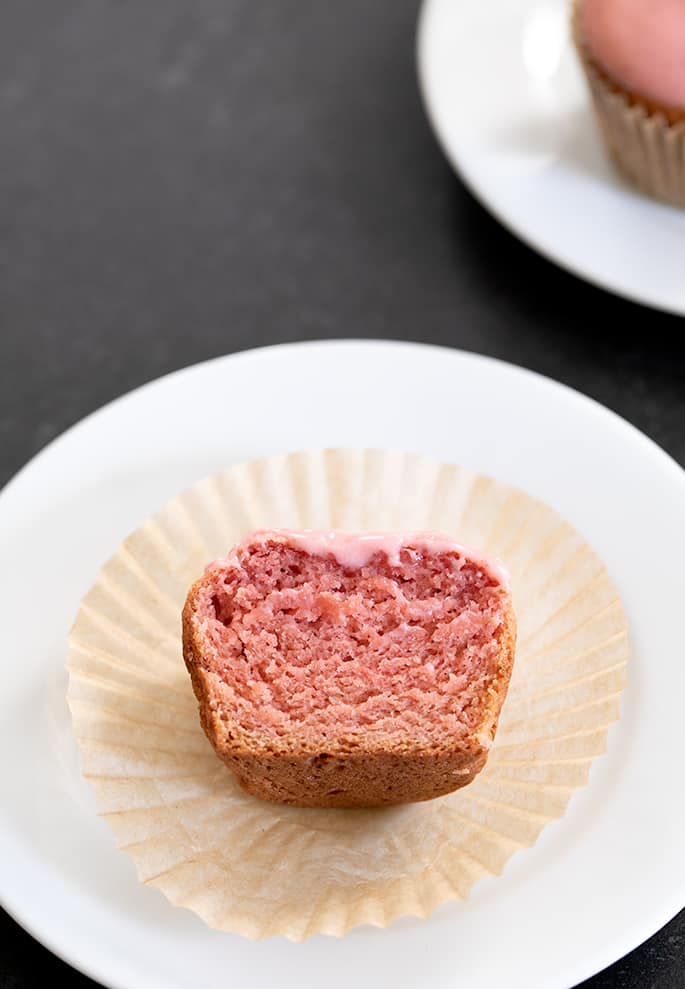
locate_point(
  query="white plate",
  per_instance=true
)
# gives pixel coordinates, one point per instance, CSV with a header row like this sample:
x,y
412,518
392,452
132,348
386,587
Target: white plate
x,y
599,881
507,100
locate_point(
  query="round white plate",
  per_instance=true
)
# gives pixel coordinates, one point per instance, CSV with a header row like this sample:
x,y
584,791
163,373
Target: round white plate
x,y
507,100
599,881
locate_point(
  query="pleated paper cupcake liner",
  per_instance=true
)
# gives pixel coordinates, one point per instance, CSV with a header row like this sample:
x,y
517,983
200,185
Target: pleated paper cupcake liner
x,y
262,869
645,146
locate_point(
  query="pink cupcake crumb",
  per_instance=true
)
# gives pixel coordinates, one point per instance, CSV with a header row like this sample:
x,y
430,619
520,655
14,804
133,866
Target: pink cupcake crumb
x,y
330,635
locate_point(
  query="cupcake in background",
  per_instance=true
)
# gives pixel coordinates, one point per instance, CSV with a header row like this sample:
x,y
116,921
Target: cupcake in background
x,y
633,53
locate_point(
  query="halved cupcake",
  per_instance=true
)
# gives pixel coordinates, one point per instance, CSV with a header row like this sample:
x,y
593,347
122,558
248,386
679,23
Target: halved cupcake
x,y
338,670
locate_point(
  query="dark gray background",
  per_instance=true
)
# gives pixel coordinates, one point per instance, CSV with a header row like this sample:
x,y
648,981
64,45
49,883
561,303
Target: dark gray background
x,y
185,178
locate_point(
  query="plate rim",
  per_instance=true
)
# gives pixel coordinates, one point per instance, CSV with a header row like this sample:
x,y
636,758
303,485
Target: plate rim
x,y
544,249
641,929
331,342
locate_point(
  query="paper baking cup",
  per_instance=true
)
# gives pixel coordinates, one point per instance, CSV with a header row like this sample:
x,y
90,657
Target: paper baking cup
x,y
261,869
648,149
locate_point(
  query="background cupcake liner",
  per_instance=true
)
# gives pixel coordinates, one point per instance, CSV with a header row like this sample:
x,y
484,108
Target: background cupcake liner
x,y
648,149
261,869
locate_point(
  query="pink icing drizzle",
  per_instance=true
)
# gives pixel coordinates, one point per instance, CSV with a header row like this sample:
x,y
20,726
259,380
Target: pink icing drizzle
x,y
355,550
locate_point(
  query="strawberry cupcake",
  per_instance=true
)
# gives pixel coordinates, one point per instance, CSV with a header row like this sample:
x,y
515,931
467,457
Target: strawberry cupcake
x,y
341,670
633,53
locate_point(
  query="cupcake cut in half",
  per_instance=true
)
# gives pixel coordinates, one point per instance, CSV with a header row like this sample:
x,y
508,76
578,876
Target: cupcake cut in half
x,y
340,670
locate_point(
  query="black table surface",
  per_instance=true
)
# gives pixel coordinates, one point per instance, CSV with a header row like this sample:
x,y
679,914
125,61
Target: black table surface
x,y
180,180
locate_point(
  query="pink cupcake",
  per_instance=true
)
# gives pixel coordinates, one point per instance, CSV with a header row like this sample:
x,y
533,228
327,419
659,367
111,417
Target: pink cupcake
x,y
633,53
340,670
